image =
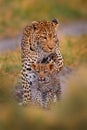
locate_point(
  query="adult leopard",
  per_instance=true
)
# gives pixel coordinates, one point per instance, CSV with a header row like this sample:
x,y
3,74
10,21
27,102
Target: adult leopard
x,y
39,40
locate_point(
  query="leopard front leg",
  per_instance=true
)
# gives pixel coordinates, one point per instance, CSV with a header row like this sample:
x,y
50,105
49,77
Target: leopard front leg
x,y
26,88
58,60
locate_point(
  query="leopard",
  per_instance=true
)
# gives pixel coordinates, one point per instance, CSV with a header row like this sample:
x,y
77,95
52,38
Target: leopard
x,y
48,88
39,40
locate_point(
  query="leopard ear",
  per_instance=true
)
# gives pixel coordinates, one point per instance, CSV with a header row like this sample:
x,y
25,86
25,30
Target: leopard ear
x,y
35,25
51,67
34,66
55,22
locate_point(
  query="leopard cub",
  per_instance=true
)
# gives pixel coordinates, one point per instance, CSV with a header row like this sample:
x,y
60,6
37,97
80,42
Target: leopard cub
x,y
48,83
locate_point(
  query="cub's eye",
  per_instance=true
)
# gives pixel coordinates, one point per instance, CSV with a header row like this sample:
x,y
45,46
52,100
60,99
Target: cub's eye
x,y
44,37
54,36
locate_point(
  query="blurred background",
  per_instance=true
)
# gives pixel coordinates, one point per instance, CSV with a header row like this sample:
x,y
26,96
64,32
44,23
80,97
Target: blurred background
x,y
14,15
71,113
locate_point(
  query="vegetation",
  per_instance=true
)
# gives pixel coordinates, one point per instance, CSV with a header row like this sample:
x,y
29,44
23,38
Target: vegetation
x,y
73,49
70,114
14,15
10,62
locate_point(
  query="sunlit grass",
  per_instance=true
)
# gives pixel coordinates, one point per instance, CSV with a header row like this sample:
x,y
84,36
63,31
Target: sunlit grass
x,y
74,50
10,66
15,15
69,114
10,62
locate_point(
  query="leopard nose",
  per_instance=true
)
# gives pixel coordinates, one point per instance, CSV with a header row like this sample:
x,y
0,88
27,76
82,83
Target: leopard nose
x,y
51,47
41,79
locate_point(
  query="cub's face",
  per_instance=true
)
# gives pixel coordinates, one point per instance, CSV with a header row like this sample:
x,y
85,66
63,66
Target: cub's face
x,y
43,71
45,35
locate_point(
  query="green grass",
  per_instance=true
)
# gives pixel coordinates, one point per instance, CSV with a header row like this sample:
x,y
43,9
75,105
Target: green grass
x,y
15,15
74,50
10,62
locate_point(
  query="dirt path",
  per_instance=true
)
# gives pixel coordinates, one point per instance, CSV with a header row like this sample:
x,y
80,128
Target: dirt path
x,y
72,29
9,44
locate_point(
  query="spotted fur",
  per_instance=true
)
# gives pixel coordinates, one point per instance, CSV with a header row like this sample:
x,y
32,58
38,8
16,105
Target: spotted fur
x,y
39,40
48,87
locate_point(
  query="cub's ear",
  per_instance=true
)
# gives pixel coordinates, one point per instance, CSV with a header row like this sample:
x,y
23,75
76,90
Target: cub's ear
x,y
34,66
55,22
51,67
35,25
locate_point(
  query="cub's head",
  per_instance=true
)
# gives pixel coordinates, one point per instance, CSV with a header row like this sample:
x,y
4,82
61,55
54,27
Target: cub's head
x,y
45,35
43,71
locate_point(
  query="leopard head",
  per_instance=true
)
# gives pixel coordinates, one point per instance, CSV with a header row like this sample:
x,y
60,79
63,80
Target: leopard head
x,y
45,35
43,71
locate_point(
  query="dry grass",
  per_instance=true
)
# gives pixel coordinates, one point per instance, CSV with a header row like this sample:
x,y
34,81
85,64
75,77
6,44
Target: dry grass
x,y
14,15
70,114
10,62
74,50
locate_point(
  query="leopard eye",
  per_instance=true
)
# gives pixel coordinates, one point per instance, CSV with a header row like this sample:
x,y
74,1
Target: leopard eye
x,y
54,36
44,37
